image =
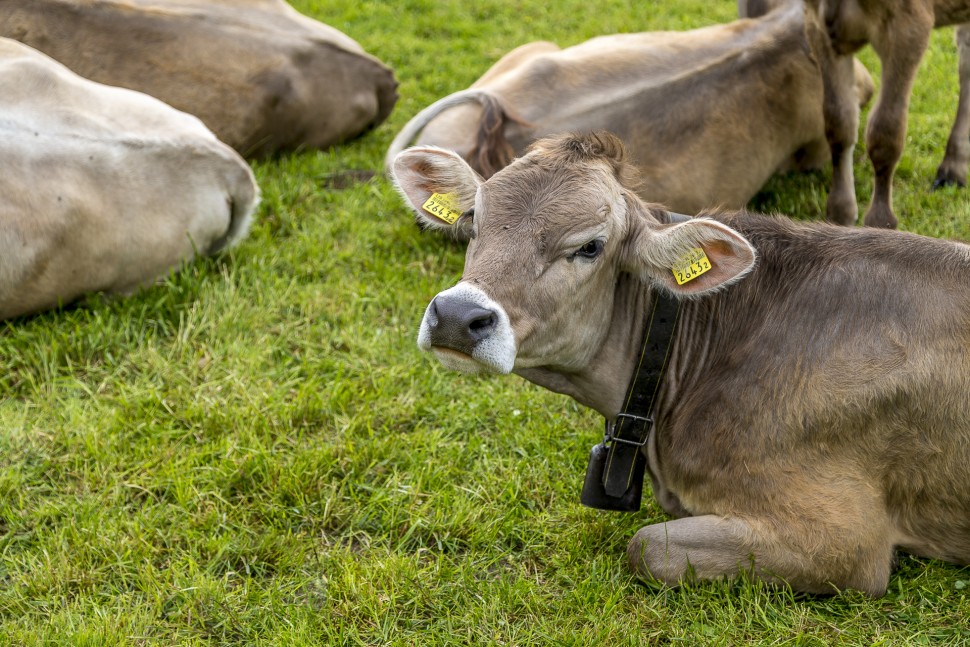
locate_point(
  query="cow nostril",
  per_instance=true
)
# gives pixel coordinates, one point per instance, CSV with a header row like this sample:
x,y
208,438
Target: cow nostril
x,y
481,323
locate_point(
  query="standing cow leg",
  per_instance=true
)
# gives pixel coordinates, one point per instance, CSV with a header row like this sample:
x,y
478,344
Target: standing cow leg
x,y
953,168
840,110
900,47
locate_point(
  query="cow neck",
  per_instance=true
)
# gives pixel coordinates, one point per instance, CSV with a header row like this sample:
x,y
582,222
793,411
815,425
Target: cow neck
x,y
614,475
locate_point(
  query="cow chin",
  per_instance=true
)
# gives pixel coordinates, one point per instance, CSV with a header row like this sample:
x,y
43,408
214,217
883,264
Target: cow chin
x,y
478,362
455,360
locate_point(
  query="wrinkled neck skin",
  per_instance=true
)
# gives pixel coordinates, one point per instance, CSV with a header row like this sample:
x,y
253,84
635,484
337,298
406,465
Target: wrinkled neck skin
x,y
603,383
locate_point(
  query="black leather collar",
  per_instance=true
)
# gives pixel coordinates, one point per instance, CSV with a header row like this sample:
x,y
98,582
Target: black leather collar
x,y
614,476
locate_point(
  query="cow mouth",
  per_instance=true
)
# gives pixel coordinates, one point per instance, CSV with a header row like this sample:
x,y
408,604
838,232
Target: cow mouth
x,y
456,360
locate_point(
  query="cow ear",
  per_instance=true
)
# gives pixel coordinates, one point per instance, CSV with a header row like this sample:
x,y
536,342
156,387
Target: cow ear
x,y
439,185
694,257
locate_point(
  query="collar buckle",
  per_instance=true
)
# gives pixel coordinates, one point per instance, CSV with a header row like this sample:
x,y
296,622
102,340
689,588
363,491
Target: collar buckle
x,y
610,436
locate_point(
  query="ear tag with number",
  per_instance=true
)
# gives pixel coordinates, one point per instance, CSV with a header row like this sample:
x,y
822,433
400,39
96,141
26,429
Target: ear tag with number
x,y
444,206
691,265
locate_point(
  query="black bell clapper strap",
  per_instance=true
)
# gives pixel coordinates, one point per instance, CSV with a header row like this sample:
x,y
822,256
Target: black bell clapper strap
x,y
614,476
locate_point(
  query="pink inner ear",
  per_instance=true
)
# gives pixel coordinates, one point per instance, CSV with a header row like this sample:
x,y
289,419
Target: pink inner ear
x,y
421,172
416,178
728,261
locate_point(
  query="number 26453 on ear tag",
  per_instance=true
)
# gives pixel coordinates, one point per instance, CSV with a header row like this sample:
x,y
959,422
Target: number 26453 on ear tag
x,y
443,206
691,265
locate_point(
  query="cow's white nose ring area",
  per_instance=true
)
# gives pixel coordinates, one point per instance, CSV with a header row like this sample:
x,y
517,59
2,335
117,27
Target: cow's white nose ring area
x,y
468,331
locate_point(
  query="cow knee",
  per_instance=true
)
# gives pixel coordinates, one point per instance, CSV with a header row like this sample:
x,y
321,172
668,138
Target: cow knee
x,y
650,557
884,141
703,547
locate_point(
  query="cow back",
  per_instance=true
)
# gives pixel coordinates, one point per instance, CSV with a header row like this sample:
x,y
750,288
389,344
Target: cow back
x,y
259,74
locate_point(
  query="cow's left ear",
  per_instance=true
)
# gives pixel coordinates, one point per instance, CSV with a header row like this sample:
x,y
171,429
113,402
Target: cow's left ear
x,y
439,185
694,257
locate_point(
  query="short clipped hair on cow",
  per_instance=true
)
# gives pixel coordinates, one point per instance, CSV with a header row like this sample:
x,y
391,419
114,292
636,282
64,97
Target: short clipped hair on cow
x,y
104,190
812,415
421,172
748,92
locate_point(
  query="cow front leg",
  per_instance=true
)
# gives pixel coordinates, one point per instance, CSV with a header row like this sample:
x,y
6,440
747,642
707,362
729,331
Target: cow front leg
x,y
900,47
953,168
712,547
840,110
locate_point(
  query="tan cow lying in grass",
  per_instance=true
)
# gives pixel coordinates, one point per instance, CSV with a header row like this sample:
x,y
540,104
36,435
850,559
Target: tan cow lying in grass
x,y
262,76
708,115
103,189
899,31
813,412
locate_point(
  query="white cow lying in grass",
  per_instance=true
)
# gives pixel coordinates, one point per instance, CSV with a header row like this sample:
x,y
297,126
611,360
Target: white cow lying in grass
x,y
103,189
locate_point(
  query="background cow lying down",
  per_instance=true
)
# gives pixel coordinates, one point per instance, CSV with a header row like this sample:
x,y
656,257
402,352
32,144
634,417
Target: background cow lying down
x,y
814,413
103,189
261,75
708,115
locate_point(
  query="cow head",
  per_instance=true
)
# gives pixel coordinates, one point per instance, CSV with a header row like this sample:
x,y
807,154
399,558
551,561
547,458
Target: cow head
x,y
549,238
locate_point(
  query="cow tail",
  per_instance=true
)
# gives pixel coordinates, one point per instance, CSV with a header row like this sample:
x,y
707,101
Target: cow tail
x,y
491,152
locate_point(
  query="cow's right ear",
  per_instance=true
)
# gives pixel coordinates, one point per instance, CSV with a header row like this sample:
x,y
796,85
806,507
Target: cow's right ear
x,y
439,185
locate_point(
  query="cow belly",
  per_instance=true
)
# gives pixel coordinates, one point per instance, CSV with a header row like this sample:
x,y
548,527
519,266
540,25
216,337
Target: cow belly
x,y
899,478
92,216
928,495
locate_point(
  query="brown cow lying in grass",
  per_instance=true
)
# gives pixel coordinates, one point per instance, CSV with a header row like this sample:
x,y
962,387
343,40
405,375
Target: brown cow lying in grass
x,y
103,189
814,411
708,115
899,31
262,76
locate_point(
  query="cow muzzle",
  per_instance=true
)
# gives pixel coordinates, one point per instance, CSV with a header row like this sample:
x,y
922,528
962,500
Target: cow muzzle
x,y
468,332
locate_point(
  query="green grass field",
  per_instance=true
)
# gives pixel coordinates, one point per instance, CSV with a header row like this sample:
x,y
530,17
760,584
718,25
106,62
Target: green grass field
x,y
255,452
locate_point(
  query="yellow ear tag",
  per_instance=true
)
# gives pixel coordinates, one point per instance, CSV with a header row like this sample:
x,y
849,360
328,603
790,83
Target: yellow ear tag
x,y
691,265
443,206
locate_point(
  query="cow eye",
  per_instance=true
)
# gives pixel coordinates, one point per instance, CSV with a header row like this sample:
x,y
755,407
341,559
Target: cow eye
x,y
591,249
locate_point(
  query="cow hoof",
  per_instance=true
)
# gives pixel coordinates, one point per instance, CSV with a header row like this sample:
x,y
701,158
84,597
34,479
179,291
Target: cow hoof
x,y
881,217
840,211
944,179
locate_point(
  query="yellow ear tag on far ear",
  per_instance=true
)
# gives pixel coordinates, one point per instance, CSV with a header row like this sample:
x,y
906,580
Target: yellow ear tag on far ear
x,y
691,265
443,206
